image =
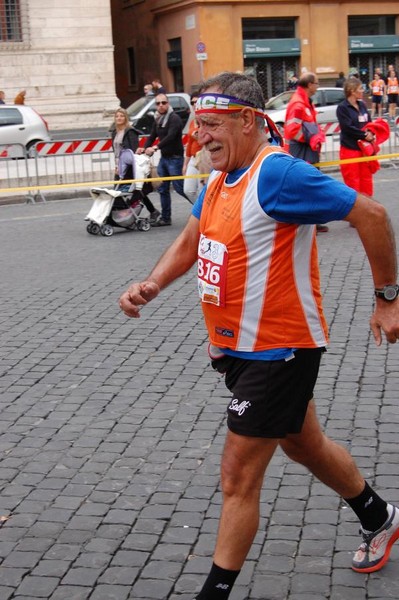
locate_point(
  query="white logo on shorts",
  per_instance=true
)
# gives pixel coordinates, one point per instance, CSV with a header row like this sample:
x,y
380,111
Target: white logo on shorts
x,y
239,408
222,586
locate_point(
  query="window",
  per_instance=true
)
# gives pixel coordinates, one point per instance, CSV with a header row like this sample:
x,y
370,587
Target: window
x,y
10,116
268,29
181,107
371,25
10,21
175,63
334,97
131,57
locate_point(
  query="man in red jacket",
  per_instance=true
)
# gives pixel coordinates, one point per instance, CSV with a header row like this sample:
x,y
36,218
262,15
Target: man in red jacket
x,y
301,129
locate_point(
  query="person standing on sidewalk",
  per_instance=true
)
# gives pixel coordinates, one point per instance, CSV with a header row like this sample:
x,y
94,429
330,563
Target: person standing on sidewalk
x,y
252,234
377,87
157,87
301,129
125,137
392,93
353,116
168,128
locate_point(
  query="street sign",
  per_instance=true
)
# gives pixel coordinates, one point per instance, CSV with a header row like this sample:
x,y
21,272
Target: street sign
x,y
201,48
202,56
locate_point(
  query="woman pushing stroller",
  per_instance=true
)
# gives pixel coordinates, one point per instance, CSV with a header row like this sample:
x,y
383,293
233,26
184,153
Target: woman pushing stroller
x,y
125,137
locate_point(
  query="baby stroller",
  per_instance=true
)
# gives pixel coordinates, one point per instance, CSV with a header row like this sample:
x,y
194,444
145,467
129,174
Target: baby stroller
x,y
122,206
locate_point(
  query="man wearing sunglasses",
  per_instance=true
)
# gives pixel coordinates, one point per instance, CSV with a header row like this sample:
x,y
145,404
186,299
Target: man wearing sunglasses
x,y
167,128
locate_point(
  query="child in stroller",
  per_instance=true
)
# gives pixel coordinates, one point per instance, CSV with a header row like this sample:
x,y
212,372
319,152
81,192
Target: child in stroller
x,y
122,206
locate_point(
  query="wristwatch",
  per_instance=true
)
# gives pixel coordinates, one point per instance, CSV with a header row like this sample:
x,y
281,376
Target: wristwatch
x,y
388,292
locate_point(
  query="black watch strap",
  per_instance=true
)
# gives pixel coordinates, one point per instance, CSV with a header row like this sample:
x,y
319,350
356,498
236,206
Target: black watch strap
x,y
387,293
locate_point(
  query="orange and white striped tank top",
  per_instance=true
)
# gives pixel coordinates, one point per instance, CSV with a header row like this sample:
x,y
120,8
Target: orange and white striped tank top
x,y
258,279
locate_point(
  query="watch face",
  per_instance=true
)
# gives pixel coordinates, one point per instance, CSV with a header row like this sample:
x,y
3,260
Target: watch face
x,y
390,292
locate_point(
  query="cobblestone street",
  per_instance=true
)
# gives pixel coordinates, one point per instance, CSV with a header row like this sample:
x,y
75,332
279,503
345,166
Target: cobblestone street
x,y
111,429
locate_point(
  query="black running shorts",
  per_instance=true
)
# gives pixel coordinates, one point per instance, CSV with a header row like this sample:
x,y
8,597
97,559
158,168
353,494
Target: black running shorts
x,y
270,398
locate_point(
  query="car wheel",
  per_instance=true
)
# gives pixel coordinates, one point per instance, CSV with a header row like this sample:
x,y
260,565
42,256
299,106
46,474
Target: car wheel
x,y
30,152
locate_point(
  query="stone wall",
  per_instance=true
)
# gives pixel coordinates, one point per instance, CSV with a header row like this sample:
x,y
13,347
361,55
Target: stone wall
x,y
65,62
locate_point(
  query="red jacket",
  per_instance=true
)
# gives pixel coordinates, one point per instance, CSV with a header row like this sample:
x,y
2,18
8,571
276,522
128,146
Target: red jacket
x,y
301,111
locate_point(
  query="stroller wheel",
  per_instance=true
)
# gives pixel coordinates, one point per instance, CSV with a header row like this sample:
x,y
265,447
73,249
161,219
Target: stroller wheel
x,y
106,230
143,225
93,228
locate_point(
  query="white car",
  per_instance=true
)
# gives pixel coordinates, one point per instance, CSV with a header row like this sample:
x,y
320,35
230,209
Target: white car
x,y
20,124
325,101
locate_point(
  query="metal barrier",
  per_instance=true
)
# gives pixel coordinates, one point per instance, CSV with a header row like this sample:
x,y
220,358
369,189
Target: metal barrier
x,y
15,168
49,163
73,161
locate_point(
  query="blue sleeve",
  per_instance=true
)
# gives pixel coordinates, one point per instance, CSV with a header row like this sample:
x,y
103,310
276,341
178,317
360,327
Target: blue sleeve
x,y
293,191
197,208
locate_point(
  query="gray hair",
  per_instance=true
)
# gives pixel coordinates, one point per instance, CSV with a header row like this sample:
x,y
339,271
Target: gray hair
x,y
240,86
306,79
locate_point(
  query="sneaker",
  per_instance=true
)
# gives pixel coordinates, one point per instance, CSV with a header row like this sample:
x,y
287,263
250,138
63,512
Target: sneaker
x,y
154,216
375,549
321,228
162,222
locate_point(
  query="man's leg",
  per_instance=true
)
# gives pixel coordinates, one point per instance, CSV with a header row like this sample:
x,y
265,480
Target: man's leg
x,y
334,466
243,466
164,190
176,168
327,460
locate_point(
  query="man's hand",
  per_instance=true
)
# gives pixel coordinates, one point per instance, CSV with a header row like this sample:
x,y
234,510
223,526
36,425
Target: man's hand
x,y
136,296
386,319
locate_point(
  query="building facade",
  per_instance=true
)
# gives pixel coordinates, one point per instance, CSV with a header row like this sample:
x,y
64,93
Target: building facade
x,y
183,41
61,53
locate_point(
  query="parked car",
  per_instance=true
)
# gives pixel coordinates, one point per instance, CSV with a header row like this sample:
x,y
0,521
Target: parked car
x,y
20,124
325,101
141,112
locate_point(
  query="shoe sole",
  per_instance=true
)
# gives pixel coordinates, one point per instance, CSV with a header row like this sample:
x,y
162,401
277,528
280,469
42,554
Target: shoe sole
x,y
383,560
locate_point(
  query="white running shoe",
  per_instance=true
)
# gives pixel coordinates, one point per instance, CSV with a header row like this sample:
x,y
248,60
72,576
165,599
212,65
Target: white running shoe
x,y
375,549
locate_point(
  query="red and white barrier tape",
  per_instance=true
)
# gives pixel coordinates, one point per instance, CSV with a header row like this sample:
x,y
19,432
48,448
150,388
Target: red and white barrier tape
x,y
73,147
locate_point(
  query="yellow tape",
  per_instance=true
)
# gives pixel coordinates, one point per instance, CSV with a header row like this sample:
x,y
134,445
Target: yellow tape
x,y
348,161
60,186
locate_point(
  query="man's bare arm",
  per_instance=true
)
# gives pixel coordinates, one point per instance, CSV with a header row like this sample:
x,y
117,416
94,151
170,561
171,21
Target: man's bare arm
x,y
175,261
375,231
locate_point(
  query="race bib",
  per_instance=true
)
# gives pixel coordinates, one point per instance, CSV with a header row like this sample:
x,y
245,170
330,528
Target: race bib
x,y
212,271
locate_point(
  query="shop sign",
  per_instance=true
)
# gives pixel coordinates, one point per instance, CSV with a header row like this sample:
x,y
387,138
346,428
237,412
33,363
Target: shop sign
x,y
271,47
373,43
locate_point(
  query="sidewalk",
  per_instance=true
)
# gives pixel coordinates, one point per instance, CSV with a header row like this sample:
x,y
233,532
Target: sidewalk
x,y
111,429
